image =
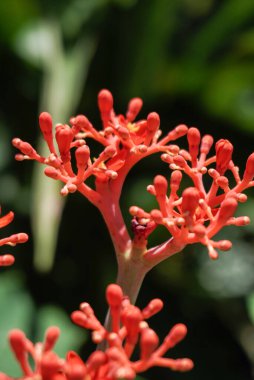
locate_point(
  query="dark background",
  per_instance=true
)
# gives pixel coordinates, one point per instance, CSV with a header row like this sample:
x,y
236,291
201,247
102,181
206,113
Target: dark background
x,y
192,61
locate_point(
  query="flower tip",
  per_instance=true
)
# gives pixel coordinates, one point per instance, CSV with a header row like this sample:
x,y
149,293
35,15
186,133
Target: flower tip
x,y
22,237
193,136
80,121
157,216
105,101
224,150
161,185
153,121
153,307
114,295
228,208
51,172
110,151
184,365
6,219
249,169
149,342
134,107
190,199
45,122
17,341
82,155
177,333
224,245
52,334
6,260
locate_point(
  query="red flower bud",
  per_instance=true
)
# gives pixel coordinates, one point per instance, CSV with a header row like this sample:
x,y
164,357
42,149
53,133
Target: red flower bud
x,y
224,150
206,144
161,185
176,334
249,169
157,216
193,137
153,121
46,126
148,343
105,101
6,260
134,107
190,199
224,245
82,155
51,172
6,219
51,336
175,180
64,137
152,308
114,295
227,210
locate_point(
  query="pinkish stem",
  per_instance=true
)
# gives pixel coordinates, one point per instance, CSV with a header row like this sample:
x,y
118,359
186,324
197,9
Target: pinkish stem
x,y
108,205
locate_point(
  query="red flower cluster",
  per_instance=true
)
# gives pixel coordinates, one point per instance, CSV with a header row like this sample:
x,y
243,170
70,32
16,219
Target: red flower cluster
x,y
7,259
196,214
128,329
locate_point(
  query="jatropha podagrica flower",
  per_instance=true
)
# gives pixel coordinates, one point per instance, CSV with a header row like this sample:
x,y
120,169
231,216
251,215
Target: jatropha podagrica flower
x,y
195,214
7,259
128,329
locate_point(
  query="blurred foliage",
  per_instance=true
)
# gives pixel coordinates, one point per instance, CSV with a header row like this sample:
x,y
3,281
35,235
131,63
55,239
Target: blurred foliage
x,y
193,62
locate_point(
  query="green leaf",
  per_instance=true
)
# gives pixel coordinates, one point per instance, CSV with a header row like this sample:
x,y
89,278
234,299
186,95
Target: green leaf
x,y
16,311
250,306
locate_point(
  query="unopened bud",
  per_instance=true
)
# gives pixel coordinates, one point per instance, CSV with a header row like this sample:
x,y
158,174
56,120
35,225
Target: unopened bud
x,y
156,215
190,200
105,101
224,150
148,343
193,137
249,169
51,172
176,334
152,308
206,144
175,180
114,295
161,185
224,245
153,121
134,107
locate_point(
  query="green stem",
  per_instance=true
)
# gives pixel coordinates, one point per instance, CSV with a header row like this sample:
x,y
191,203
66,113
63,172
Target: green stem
x,y
131,274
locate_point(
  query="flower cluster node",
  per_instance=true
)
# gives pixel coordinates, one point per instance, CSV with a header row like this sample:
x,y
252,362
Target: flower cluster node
x,y
8,259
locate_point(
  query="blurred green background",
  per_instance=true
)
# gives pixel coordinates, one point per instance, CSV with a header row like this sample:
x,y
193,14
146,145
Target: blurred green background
x,y
192,61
